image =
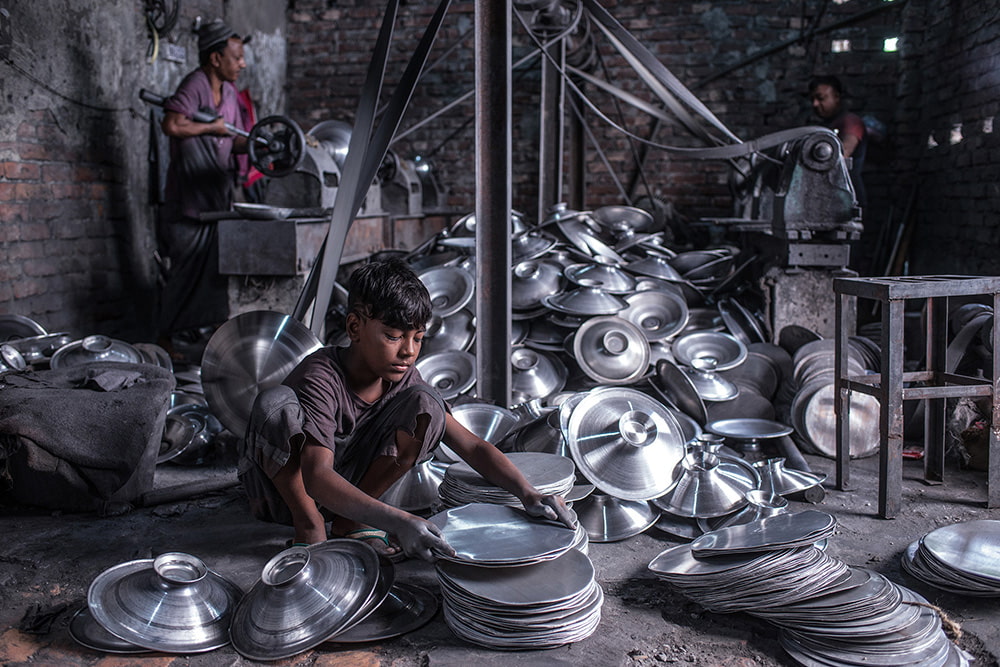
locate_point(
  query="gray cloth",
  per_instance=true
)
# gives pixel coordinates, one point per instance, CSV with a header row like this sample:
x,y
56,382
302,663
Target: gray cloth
x,y
275,429
65,445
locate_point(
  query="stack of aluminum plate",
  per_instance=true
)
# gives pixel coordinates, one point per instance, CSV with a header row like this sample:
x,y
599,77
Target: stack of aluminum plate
x,y
961,558
551,474
540,606
489,535
830,614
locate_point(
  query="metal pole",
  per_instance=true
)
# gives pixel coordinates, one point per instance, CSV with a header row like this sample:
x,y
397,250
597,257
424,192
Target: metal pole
x,y
493,199
551,117
576,169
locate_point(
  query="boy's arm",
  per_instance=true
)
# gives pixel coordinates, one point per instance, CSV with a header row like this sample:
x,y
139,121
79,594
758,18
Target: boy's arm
x,y
497,469
327,487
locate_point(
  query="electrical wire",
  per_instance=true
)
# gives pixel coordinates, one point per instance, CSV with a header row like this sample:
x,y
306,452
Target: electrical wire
x,y
39,82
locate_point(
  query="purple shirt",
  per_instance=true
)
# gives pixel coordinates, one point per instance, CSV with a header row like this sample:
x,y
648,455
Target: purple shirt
x,y
200,177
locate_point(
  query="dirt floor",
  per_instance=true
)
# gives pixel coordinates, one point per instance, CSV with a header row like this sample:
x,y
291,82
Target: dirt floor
x,y
48,560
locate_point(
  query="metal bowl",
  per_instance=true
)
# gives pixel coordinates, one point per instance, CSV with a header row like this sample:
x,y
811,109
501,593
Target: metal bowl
x,y
685,262
585,300
532,280
708,383
172,603
304,596
13,326
622,217
706,488
455,332
625,443
611,350
535,374
451,373
95,348
487,421
726,350
450,288
610,519
252,351
608,277
658,314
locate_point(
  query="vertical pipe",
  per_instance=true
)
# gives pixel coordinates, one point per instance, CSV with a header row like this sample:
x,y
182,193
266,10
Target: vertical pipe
x,y
550,121
493,199
576,156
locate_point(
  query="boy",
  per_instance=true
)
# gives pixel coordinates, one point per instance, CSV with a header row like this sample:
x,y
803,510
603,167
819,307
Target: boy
x,y
348,422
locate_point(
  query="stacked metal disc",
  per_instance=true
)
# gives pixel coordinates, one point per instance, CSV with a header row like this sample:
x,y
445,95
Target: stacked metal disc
x,y
829,613
960,558
515,582
173,604
550,474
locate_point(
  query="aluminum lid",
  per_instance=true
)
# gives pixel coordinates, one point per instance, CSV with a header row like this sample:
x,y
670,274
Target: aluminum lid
x,y
451,372
625,443
95,348
611,350
450,288
659,314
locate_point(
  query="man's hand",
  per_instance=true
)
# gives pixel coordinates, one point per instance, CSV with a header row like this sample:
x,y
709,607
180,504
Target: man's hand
x,y
422,539
551,507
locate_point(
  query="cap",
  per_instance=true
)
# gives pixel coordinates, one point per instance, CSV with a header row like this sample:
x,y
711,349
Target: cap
x,y
214,33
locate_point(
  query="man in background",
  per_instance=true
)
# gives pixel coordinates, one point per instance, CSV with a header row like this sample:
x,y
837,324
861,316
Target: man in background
x,y
826,94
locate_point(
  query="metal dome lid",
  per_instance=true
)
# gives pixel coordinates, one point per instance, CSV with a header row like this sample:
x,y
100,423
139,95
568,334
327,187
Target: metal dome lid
x,y
586,300
608,277
172,603
536,374
727,351
454,332
451,373
611,350
533,279
622,217
625,443
95,348
658,314
304,596
450,288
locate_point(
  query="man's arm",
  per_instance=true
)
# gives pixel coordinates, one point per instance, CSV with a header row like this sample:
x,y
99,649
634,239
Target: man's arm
x,y
497,469
327,487
181,127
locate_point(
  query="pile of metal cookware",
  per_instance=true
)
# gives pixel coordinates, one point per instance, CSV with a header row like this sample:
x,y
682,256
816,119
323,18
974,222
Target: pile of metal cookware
x,y
338,591
828,613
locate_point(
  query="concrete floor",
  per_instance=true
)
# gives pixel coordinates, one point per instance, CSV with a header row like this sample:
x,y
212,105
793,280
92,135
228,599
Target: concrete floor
x,y
49,559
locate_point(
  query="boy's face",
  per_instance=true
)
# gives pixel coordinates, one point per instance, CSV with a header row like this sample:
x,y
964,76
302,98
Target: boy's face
x,y
385,351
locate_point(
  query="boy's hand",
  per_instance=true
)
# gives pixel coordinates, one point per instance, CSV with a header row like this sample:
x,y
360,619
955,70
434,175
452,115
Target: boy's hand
x,y
551,507
422,539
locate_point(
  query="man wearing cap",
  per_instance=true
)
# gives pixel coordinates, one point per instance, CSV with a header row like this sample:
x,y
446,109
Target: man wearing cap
x,y
200,178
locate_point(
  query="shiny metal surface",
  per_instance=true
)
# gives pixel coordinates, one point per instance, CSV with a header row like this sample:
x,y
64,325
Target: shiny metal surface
x,y
304,596
250,352
710,385
654,267
498,536
748,404
787,530
489,422
178,431
748,429
778,479
535,374
758,373
550,474
13,326
658,314
727,351
451,373
676,387
611,350
450,288
37,348
708,485
530,245
172,603
155,355
972,548
760,504
815,420
618,217
607,277
406,608
542,434
625,443
417,489
533,279
743,324
609,519
454,332
95,348
585,300
86,631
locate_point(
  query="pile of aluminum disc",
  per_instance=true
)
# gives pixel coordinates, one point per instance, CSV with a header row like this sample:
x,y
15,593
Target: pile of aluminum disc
x,y
545,605
962,558
550,474
830,614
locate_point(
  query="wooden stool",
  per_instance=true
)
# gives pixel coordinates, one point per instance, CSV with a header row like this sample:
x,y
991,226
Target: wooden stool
x,y
892,385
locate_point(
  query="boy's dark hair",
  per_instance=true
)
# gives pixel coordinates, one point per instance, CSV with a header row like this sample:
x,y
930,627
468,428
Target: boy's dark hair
x,y
389,291
827,80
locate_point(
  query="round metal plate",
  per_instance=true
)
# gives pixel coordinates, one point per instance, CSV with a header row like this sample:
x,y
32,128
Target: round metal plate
x,y
408,607
611,350
451,373
676,387
727,351
625,443
251,352
172,603
658,314
748,429
95,348
14,326
86,631
304,596
972,548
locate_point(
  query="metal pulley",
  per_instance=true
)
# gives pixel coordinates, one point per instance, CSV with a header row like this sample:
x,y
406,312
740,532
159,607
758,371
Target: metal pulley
x,y
276,144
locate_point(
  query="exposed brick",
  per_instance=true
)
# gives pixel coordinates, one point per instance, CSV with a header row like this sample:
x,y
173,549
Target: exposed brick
x,y
21,171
